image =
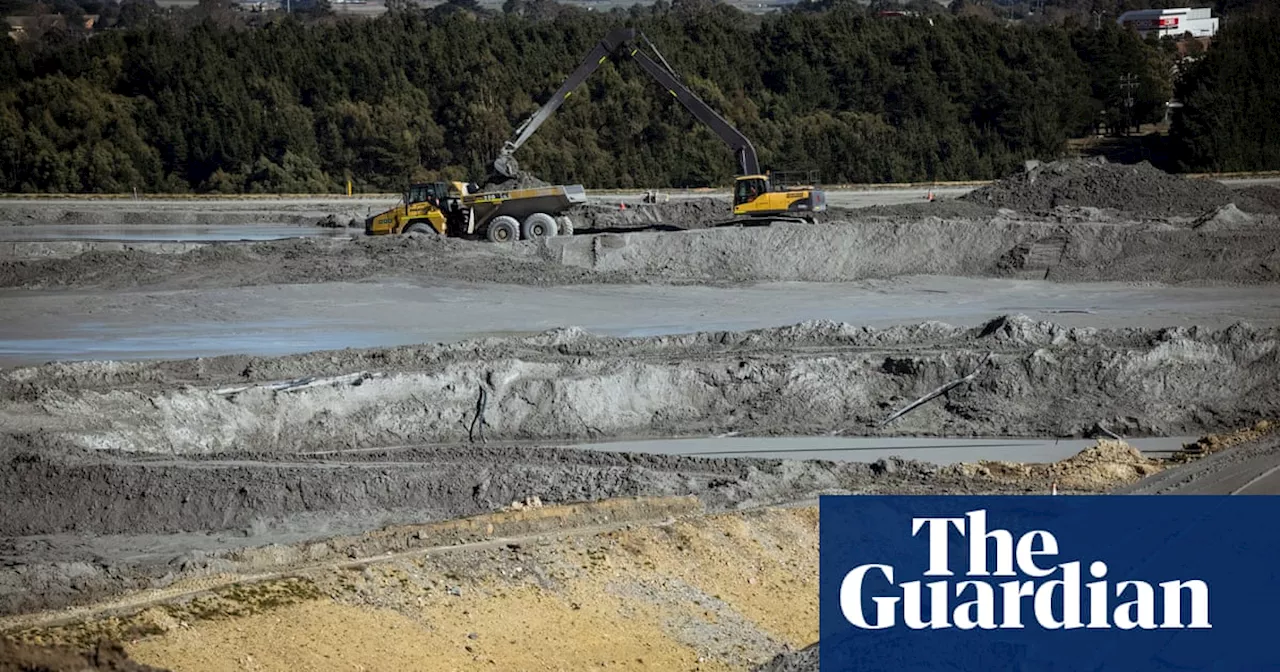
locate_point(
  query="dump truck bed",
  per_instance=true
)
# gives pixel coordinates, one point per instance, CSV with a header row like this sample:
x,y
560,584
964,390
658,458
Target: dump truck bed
x,y
520,203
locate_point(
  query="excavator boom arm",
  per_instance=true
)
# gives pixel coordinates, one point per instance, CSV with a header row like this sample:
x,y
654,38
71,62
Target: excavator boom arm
x,y
505,164
742,148
614,42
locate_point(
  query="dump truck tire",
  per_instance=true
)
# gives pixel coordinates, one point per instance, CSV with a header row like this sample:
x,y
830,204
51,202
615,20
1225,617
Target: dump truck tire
x,y
565,226
503,229
419,227
538,225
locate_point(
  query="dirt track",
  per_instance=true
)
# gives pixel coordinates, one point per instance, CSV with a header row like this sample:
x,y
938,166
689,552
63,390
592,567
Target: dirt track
x,y
127,476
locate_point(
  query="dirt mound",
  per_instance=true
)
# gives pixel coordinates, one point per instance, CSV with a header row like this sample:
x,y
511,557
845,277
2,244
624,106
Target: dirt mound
x,y
855,249
1103,466
885,248
949,208
1043,380
523,180
683,213
1141,189
1215,443
1226,217
16,657
1099,468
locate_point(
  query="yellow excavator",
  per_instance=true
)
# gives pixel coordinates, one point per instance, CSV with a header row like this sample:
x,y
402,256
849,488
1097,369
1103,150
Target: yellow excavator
x,y
757,196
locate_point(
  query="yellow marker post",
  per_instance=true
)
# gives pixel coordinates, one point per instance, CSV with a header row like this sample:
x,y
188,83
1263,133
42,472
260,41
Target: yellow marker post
x,y
348,187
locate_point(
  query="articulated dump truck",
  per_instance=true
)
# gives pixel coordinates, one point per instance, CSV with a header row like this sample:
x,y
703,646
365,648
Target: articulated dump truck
x,y
451,209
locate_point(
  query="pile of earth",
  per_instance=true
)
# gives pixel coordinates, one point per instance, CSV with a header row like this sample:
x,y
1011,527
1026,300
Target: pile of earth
x,y
1228,217
1141,189
684,213
561,386
1225,248
523,180
1216,443
1093,469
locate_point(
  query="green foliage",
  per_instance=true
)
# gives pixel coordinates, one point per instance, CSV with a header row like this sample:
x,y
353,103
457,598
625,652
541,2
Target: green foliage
x,y
1112,53
1229,122
67,135
203,103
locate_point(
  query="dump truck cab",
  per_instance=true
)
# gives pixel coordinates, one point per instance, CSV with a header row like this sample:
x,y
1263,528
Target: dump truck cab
x,y
429,192
425,208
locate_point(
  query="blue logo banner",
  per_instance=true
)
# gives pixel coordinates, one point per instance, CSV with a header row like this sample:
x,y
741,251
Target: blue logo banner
x,y
1049,584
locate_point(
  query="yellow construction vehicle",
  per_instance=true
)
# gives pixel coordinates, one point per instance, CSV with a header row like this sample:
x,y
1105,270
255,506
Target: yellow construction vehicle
x,y
454,209
422,210
756,195
778,196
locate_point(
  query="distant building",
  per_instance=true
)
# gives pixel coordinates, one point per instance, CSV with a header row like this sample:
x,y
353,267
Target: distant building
x,y
1171,22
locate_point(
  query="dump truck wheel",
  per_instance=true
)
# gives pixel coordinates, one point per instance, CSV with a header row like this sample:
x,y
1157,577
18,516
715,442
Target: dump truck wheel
x,y
503,230
538,225
564,226
419,227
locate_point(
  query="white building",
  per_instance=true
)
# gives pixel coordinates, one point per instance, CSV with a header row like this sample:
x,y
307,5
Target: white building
x,y
1171,22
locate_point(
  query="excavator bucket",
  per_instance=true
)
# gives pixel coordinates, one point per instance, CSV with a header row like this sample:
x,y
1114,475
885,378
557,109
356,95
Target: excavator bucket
x,y
506,165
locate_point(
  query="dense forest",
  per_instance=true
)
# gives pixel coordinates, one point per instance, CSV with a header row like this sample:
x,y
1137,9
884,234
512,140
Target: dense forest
x,y
301,103
1230,121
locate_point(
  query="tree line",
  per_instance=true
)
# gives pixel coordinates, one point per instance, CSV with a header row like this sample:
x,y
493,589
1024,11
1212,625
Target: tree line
x,y
203,102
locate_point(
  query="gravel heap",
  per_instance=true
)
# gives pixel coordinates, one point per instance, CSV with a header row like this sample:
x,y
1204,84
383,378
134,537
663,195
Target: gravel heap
x,y
1141,189
683,213
524,180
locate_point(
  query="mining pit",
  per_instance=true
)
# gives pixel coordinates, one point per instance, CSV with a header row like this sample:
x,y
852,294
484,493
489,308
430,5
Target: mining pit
x,y
598,450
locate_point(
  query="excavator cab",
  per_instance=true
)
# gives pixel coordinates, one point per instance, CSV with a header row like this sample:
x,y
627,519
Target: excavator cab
x,y
748,188
779,196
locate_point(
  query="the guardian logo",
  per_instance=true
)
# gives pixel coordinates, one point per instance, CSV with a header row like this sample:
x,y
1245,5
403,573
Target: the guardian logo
x,y
1010,583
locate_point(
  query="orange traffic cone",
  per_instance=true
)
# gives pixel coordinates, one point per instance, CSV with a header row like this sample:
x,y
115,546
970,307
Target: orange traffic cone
x,y
930,196
622,206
